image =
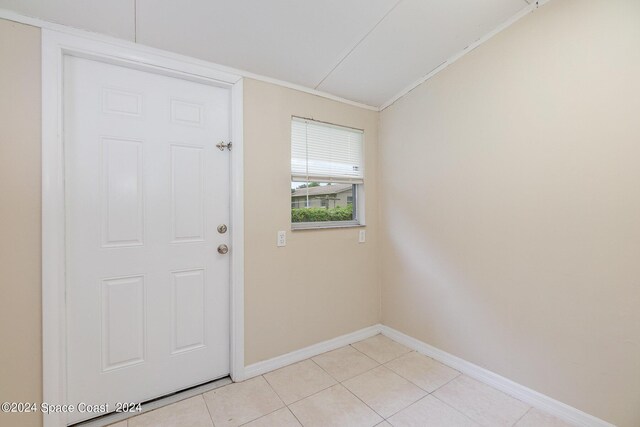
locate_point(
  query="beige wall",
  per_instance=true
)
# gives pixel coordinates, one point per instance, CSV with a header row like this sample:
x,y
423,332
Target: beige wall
x,y
340,290
511,211
510,207
20,317
283,313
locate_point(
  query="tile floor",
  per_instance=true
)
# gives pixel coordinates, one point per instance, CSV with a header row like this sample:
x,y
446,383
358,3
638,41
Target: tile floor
x,y
375,382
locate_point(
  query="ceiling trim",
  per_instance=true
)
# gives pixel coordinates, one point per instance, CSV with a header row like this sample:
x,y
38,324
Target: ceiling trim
x,y
532,6
36,22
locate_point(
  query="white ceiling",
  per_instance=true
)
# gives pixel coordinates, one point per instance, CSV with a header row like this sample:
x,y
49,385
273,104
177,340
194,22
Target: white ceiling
x,y
113,17
363,50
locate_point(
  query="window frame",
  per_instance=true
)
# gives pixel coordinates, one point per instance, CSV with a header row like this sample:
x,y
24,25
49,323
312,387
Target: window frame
x,y
358,193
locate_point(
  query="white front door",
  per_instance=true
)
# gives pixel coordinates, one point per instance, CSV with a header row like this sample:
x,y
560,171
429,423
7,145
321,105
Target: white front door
x,y
146,188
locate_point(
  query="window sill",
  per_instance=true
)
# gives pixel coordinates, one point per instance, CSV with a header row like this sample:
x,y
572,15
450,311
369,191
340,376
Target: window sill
x,y
323,225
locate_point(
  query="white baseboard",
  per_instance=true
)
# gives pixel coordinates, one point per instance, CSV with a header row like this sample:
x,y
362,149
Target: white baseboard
x,y
525,394
278,362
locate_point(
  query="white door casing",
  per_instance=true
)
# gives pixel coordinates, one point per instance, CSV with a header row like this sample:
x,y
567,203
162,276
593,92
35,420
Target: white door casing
x,y
147,293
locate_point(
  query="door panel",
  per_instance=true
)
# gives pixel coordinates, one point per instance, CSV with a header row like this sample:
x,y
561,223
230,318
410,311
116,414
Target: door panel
x,y
187,193
188,310
121,180
122,328
147,292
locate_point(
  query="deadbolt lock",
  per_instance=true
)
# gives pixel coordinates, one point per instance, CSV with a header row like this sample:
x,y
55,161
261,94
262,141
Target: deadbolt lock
x,y
222,228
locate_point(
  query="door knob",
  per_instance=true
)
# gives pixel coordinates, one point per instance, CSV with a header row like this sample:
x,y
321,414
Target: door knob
x,y
223,249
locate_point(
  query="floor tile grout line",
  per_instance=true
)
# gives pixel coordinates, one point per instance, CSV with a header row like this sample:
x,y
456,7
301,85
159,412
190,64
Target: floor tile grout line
x,y
364,403
295,416
417,385
378,364
454,408
496,389
375,367
361,373
409,350
323,370
397,373
317,392
357,397
206,405
347,388
313,394
459,375
398,357
448,382
284,405
411,404
262,416
363,353
407,379
340,348
523,415
274,390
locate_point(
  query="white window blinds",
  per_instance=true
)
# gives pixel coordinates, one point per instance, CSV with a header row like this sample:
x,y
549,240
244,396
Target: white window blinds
x,y
326,153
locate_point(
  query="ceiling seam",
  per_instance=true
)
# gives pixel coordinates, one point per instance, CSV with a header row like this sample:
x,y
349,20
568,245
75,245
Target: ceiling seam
x,y
356,45
135,21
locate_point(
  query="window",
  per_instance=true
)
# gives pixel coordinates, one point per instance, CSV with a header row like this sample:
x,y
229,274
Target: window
x,y
327,175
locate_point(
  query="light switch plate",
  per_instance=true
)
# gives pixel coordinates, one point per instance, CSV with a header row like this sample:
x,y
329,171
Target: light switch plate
x,y
362,236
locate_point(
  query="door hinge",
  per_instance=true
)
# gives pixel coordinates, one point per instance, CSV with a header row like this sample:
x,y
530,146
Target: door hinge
x,y
222,145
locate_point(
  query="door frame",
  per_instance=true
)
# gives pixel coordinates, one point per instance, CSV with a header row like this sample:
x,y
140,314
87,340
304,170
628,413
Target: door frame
x,y
55,46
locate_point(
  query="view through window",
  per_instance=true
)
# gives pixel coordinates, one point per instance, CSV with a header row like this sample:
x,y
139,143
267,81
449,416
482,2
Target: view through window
x,y
322,201
327,174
